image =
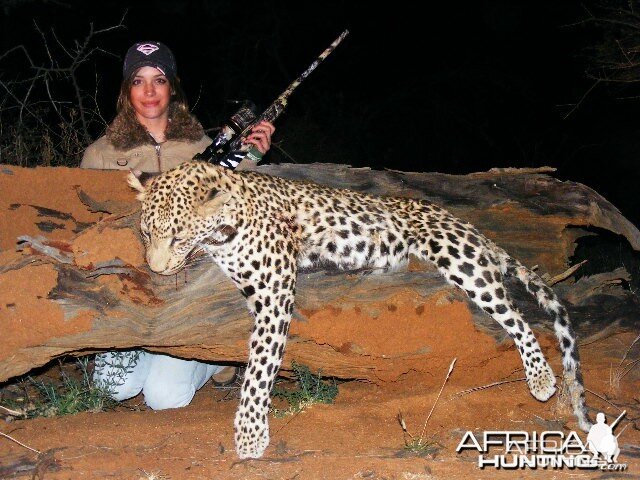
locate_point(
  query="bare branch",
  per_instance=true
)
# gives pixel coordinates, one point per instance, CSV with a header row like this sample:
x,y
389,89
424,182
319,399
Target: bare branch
x,y
50,113
614,58
582,99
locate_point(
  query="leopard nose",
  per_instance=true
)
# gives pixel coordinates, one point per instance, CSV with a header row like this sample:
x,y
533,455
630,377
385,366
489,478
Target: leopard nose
x,y
159,255
155,265
157,260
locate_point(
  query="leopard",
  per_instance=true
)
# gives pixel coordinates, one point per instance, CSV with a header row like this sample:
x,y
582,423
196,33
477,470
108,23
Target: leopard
x,y
263,230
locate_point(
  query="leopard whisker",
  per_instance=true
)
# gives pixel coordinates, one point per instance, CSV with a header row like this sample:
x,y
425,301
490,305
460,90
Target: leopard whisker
x,y
195,255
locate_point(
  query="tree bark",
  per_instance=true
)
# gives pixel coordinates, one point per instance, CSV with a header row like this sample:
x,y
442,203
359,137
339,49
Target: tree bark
x,y
72,306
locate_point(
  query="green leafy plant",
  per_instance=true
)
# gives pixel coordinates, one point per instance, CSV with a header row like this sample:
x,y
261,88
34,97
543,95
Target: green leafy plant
x,y
310,389
75,392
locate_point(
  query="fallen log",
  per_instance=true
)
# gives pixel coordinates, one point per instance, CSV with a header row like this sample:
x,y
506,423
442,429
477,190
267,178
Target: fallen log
x,y
91,291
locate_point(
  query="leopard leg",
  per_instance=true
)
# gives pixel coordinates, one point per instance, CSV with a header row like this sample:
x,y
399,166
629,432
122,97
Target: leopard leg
x,y
490,294
467,261
270,294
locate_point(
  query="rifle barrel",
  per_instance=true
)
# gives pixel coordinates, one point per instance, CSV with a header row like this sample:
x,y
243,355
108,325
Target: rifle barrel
x,y
613,425
274,110
313,66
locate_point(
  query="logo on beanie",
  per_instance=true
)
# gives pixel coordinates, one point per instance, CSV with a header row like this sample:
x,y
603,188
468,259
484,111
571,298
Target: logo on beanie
x,y
147,48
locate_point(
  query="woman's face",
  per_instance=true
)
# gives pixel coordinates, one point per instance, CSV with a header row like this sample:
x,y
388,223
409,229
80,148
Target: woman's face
x,y
150,94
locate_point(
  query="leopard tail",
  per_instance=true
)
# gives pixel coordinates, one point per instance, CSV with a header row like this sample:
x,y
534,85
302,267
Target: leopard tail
x,y
573,384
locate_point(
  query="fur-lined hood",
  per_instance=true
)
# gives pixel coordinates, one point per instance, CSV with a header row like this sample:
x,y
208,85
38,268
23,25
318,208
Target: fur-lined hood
x,y
125,132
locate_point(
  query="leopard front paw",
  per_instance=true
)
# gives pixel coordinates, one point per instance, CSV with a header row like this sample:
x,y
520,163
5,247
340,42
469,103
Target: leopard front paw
x,y
251,433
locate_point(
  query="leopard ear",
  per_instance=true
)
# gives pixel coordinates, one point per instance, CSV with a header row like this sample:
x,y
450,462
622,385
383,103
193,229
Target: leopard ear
x,y
214,201
133,179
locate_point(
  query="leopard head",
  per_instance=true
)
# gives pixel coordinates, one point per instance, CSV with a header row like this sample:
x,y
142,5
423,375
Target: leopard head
x,y
184,210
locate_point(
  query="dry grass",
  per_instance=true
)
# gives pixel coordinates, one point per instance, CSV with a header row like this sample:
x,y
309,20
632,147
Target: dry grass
x,y
491,385
617,373
420,445
9,437
157,475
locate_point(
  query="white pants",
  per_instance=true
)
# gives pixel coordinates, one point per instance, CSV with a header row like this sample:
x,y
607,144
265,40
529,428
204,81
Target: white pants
x,y
166,382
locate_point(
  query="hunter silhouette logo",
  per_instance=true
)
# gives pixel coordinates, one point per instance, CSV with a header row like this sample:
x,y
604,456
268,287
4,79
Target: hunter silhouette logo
x,y
147,48
601,439
548,449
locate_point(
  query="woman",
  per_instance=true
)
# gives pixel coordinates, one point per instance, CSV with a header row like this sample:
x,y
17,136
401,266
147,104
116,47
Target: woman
x,y
153,131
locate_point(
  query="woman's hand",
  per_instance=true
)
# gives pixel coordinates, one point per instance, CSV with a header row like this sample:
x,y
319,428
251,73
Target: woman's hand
x,y
260,136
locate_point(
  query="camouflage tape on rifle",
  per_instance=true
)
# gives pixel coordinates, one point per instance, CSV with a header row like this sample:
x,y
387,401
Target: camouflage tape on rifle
x,y
274,110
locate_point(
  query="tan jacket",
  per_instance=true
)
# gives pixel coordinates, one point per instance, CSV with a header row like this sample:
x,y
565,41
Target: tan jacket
x,y
128,145
148,157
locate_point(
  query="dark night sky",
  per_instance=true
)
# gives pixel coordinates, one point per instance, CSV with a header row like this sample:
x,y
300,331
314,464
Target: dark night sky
x,y
453,87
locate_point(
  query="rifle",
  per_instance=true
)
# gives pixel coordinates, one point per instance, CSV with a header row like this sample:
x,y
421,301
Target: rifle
x,y
241,123
615,422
